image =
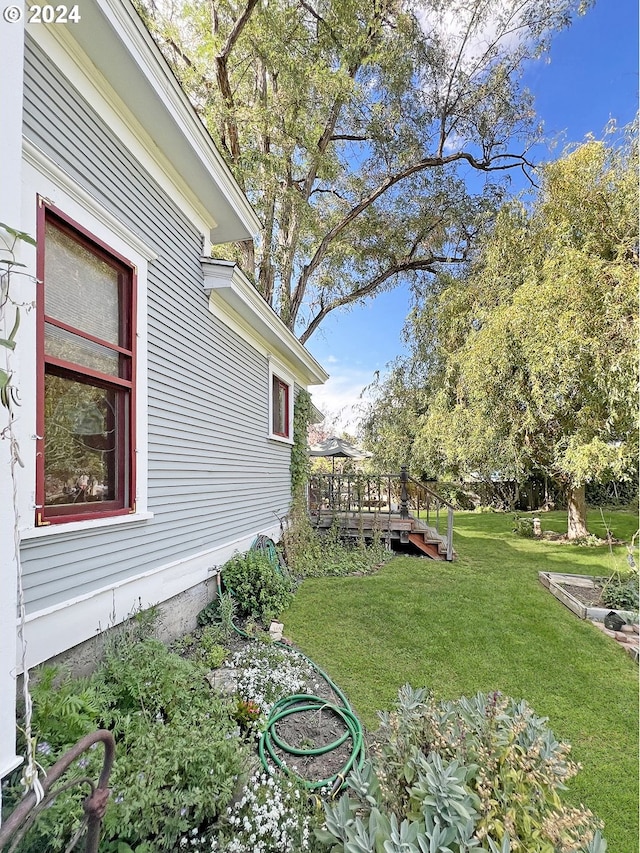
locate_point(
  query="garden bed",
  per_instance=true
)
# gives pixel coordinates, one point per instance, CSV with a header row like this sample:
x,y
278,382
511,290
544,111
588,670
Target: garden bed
x,y
581,594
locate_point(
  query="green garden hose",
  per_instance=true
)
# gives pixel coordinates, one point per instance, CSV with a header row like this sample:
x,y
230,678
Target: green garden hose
x,y
299,703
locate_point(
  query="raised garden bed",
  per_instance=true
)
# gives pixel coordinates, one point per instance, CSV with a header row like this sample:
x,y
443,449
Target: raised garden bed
x,y
581,594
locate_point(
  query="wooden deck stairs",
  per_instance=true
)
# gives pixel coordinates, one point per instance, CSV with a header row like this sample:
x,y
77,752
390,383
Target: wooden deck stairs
x,y
428,540
397,508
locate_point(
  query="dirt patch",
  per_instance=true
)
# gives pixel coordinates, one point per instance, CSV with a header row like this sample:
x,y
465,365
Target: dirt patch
x,y
590,597
309,730
304,728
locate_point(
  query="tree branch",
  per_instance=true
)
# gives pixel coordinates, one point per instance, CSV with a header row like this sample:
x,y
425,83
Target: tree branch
x,y
347,137
408,265
489,164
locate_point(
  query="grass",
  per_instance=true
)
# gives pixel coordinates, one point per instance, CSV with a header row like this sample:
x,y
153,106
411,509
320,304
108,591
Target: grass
x,y
485,623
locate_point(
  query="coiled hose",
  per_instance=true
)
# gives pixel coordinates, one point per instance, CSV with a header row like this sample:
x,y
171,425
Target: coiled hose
x,y
300,703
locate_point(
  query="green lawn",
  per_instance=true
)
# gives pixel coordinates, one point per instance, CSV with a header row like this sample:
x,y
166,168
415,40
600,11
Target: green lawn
x,y
485,623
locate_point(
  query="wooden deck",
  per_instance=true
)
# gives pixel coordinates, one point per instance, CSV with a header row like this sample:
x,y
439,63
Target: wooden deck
x,y
389,525
394,506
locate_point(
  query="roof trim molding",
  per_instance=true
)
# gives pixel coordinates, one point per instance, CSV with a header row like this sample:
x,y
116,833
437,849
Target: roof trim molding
x,y
226,279
117,42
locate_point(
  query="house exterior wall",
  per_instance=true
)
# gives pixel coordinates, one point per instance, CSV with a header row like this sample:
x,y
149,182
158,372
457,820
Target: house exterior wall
x,y
214,479
11,39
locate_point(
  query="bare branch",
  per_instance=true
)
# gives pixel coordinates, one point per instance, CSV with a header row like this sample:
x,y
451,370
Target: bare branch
x,y
238,27
408,265
490,164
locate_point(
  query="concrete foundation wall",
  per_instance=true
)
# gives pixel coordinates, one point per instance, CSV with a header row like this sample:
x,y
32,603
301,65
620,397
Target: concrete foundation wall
x,y
174,618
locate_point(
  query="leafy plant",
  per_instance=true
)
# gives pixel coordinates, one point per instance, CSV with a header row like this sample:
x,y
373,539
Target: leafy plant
x,y
211,652
311,553
64,709
209,613
227,613
178,758
456,776
621,593
299,452
259,589
523,526
175,773
246,714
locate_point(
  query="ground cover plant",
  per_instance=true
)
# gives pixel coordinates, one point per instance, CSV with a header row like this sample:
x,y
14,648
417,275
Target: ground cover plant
x,y
442,772
485,623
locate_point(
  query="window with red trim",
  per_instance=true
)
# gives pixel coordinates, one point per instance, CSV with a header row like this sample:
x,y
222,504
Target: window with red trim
x,y
86,387
280,407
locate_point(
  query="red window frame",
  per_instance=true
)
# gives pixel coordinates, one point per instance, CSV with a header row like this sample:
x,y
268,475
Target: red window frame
x,y
276,385
123,385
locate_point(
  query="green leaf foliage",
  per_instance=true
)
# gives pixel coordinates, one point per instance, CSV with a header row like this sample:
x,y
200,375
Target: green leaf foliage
x,y
529,360
259,588
480,773
178,762
351,126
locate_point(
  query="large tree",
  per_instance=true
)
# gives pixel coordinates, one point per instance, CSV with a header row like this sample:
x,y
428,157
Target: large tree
x,y
353,126
535,347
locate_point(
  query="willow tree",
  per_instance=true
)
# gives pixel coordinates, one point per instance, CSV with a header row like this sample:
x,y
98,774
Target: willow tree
x,y
354,125
537,362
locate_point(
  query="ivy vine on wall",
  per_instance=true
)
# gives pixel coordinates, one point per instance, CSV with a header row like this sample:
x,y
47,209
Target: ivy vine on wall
x,y
299,452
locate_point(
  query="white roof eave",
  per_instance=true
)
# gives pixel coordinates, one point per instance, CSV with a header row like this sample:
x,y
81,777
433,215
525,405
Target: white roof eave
x,y
227,280
115,39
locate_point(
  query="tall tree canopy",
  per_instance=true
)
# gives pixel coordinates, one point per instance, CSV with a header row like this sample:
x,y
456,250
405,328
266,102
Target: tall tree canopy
x,y
531,359
353,126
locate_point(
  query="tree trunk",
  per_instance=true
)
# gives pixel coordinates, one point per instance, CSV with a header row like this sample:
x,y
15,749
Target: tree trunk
x,y
576,513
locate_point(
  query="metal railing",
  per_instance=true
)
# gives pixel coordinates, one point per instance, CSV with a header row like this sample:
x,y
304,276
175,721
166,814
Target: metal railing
x,y
383,495
16,826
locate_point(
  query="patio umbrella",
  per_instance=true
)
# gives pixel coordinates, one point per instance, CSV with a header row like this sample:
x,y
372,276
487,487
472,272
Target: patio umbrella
x,y
338,448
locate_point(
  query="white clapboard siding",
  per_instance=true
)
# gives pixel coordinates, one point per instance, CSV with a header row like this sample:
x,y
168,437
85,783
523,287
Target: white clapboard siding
x,y
214,476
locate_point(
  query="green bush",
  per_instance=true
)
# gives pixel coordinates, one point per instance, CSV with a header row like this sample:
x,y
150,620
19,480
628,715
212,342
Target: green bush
x,y
179,759
311,553
523,526
482,773
259,589
621,593
175,774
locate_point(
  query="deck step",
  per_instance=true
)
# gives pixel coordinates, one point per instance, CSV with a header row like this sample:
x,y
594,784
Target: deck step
x,y
431,549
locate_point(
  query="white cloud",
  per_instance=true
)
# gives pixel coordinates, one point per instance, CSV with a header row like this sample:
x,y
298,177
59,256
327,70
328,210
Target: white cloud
x,y
339,397
471,30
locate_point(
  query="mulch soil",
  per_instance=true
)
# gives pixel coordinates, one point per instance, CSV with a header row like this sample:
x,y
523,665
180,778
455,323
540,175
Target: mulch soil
x,y
309,729
585,595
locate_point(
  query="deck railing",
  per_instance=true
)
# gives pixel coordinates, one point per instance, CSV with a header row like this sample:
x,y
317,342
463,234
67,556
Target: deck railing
x,y
381,494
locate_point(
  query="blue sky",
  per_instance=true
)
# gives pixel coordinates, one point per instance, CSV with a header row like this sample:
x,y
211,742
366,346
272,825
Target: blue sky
x,y
592,77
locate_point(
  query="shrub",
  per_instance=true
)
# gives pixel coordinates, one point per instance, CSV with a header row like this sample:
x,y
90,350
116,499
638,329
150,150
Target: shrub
x,y
621,593
523,526
481,773
175,774
259,589
311,553
179,759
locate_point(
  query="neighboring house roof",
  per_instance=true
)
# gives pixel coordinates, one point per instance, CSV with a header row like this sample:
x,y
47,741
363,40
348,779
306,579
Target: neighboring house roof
x,y
115,39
